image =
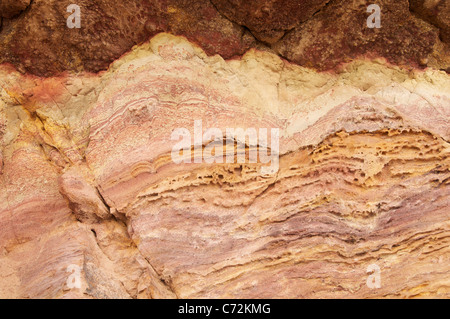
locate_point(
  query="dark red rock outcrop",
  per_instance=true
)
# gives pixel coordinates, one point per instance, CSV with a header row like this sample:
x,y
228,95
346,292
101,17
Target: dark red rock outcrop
x,y
319,34
339,33
40,42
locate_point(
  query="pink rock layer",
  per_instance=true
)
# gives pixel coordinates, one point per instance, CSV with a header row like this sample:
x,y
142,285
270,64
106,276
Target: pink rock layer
x,y
87,180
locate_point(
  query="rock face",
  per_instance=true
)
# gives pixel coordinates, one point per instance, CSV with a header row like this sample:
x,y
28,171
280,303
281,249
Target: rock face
x,y
269,20
11,8
95,204
320,34
339,33
108,31
436,13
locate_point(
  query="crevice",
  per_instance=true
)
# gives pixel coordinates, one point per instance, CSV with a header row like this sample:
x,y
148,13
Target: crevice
x,y
100,196
53,146
20,13
244,28
423,16
123,223
166,282
289,31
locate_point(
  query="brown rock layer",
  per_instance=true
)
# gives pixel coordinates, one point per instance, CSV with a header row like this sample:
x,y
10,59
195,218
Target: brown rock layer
x,y
320,34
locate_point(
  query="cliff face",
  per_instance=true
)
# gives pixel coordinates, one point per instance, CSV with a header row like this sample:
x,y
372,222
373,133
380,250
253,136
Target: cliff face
x,y
354,123
320,34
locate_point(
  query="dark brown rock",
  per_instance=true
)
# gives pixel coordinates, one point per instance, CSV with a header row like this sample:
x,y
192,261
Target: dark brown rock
x,y
269,19
436,13
319,34
339,33
40,42
11,8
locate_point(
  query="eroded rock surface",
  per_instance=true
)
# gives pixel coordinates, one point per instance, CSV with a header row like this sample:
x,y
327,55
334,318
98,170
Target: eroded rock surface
x,y
269,20
11,8
320,34
437,12
88,180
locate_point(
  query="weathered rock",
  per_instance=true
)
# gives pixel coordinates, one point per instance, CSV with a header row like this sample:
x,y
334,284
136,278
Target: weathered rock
x,y
269,20
339,33
40,42
435,12
11,8
84,198
363,180
319,34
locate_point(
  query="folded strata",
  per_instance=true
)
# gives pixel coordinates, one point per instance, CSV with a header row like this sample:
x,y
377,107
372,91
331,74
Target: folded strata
x,y
87,178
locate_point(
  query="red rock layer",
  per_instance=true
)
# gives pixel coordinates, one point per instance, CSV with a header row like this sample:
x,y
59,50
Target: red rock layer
x,y
320,34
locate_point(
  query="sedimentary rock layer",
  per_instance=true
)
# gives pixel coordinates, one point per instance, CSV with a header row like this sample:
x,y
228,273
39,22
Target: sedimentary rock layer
x,y
87,179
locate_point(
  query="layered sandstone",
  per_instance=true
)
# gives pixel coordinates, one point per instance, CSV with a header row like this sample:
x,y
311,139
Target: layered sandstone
x,y
88,179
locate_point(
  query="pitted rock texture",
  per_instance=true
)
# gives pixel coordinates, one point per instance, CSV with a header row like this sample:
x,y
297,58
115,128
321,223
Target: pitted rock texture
x,y
339,33
39,41
320,34
87,179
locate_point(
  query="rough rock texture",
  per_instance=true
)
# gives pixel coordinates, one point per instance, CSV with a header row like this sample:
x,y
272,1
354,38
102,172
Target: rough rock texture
x,y
87,178
339,33
437,12
39,41
269,20
321,34
11,8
